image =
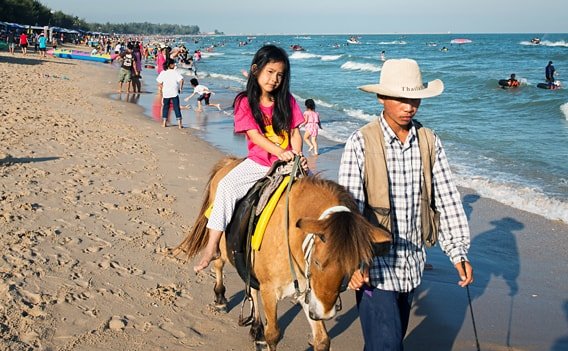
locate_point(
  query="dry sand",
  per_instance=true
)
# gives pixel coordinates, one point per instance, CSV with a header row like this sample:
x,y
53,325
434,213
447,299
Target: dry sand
x,y
92,194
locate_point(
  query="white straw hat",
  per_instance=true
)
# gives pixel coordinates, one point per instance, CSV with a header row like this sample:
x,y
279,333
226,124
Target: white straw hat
x,y
402,78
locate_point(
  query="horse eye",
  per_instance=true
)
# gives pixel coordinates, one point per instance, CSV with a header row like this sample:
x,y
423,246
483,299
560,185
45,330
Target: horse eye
x,y
318,264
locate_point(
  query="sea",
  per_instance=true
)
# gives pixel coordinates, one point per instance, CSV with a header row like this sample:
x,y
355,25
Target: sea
x,y
510,145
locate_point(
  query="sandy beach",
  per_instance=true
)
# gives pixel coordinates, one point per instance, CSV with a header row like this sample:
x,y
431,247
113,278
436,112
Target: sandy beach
x,y
93,193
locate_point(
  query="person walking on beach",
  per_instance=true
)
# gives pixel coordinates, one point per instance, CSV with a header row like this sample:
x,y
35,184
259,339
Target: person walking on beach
x,y
24,43
127,68
204,94
42,43
269,116
11,40
170,84
549,73
312,125
395,169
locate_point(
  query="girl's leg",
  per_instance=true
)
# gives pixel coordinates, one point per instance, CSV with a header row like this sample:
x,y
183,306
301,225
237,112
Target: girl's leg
x,y
307,140
233,187
315,144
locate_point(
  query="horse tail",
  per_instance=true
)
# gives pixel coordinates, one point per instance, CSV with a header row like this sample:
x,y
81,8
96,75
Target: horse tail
x,y
198,236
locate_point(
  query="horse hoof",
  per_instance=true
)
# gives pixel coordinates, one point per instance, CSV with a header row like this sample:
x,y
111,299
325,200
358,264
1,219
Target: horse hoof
x,y
221,308
260,345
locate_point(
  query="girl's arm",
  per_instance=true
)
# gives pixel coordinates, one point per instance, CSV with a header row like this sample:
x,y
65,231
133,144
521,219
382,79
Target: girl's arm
x,y
259,139
296,140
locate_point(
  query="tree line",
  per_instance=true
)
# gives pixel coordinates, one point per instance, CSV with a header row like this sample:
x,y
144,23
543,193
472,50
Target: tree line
x,y
32,12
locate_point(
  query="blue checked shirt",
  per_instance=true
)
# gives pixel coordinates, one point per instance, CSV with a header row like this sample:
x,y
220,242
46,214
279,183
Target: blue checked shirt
x,y
401,269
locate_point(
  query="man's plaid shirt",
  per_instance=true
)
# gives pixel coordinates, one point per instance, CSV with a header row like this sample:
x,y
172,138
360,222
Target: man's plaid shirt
x,y
401,269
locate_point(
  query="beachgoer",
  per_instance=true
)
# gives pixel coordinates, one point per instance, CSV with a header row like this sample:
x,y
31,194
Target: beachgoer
x,y
170,84
12,39
127,67
24,43
512,81
549,73
161,59
269,116
384,291
136,68
383,55
312,123
42,43
204,94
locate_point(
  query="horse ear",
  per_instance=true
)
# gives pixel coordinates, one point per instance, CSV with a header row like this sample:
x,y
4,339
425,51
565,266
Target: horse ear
x,y
310,225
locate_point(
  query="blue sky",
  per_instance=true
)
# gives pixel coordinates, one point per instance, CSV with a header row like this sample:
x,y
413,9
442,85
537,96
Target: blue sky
x,y
332,16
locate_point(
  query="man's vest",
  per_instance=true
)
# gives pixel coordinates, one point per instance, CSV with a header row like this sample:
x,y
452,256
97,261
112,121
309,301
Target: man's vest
x,y
376,181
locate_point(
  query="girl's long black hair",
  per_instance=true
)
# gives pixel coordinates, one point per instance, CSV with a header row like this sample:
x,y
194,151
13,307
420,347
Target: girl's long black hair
x,y
281,116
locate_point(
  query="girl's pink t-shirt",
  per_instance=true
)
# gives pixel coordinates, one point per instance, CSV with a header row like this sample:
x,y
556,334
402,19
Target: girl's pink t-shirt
x,y
244,121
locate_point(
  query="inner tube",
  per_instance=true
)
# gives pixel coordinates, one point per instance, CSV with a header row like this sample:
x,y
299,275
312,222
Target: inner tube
x,y
504,83
543,85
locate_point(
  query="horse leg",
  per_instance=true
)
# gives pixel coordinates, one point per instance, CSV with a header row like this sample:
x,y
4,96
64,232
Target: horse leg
x,y
219,289
257,328
320,341
271,330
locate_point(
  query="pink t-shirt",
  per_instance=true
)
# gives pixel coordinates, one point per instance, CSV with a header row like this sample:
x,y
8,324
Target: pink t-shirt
x,y
244,120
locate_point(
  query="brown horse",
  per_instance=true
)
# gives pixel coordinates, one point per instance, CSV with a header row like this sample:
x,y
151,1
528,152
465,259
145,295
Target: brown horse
x,y
328,240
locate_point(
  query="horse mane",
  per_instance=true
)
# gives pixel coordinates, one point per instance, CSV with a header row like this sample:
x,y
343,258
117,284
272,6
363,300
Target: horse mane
x,y
348,237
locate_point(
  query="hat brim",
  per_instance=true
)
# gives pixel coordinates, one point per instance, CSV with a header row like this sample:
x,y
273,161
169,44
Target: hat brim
x,y
431,89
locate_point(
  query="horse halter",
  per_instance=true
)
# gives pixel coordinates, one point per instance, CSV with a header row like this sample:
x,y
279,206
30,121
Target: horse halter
x,y
308,249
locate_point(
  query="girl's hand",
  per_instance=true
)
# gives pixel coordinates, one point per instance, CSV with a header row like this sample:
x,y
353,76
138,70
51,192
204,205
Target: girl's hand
x,y
286,155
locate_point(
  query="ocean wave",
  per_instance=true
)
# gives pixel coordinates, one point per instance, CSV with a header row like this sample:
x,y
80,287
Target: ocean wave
x,y
299,55
526,199
359,114
357,66
210,54
228,77
559,43
394,42
564,109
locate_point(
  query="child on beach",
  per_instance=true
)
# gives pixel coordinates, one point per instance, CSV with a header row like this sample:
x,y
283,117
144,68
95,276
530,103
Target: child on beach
x,y
170,84
312,123
269,116
204,94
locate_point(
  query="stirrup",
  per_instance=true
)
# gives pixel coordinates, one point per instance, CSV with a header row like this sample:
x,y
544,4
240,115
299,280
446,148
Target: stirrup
x,y
243,322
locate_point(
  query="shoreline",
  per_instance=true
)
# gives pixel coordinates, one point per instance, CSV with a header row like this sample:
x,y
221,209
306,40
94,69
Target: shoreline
x,y
92,198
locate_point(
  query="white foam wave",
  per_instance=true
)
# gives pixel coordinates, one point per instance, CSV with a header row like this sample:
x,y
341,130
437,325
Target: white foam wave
x,y
323,103
559,43
360,115
228,77
525,199
394,42
357,66
210,54
300,55
564,109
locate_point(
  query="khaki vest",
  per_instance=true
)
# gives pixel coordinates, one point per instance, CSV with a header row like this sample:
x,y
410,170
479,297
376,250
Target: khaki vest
x,y
376,184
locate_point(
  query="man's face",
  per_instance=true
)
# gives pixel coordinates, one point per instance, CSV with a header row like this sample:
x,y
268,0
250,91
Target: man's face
x,y
399,111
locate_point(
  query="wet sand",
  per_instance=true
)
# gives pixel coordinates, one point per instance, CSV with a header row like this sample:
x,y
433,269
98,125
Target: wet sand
x,y
93,192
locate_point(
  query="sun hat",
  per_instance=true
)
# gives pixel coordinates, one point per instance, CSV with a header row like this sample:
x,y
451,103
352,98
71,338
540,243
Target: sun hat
x,y
402,78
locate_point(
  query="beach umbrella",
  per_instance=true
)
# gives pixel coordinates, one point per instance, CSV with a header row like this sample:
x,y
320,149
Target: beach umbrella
x,y
460,41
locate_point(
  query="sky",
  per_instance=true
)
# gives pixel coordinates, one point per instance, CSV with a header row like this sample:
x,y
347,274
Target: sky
x,y
331,16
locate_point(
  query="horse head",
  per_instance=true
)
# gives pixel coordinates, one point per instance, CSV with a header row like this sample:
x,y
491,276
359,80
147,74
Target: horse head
x,y
334,246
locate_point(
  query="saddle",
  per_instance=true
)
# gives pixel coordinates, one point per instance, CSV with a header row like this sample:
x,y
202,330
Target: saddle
x,y
250,217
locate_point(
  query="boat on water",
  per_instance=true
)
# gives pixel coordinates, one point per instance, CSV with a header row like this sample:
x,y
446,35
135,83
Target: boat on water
x,y
353,40
81,55
297,47
535,41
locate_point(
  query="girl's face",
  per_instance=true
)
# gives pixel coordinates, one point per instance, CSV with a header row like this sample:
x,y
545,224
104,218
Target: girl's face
x,y
270,77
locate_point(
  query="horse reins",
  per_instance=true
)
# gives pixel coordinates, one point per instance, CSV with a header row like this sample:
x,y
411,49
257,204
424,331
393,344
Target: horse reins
x,y
308,246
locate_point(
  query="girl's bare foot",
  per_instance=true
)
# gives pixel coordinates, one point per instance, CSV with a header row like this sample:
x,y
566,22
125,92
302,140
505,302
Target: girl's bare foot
x,y
205,260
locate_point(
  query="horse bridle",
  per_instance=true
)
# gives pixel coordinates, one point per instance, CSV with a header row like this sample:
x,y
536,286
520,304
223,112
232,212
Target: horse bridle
x,y
308,249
